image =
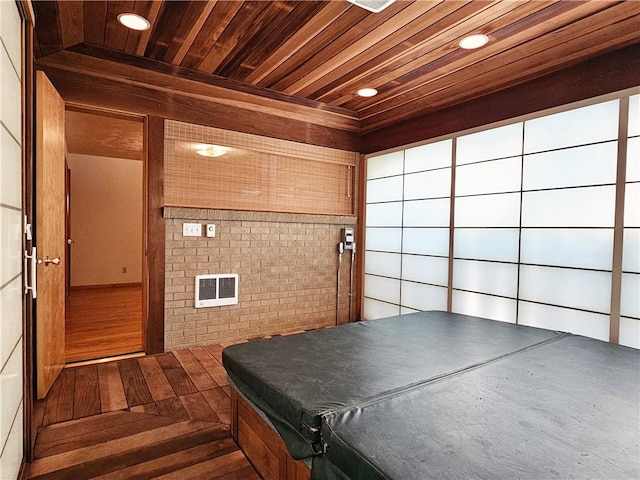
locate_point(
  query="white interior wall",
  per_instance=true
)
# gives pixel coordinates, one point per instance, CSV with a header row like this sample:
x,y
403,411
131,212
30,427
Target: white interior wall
x,y
11,342
106,220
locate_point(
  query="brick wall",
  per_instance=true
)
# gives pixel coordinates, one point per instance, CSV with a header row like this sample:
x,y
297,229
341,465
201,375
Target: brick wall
x,y
287,265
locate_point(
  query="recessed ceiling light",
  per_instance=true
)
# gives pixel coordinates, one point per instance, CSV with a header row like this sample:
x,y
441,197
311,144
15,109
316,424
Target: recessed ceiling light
x,y
367,92
473,41
211,150
133,21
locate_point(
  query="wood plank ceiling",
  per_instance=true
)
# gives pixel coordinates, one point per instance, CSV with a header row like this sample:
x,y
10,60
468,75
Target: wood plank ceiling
x,y
324,51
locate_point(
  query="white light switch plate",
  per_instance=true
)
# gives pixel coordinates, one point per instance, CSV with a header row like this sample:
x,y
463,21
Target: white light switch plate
x,y
191,229
210,230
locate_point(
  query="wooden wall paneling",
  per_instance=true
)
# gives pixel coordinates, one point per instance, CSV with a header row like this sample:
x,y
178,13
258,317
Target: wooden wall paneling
x,y
329,14
535,58
192,22
601,75
427,51
269,39
49,35
115,35
71,22
411,19
223,13
186,100
154,266
94,14
249,19
137,41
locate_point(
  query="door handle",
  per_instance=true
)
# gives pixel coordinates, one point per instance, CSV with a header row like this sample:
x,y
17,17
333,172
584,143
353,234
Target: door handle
x,y
47,261
69,241
33,287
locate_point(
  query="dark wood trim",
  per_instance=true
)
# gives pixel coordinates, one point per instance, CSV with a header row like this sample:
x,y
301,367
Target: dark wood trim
x,y
618,229
155,237
361,208
28,186
601,75
262,446
23,473
103,83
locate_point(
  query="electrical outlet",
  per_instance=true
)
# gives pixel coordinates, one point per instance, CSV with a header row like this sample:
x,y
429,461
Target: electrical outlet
x,y
211,230
124,269
191,229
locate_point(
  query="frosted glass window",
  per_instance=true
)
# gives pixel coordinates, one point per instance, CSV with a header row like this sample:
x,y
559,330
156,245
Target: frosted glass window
x,y
631,250
11,308
486,244
424,297
495,176
384,189
428,157
632,205
372,309
486,277
500,210
590,165
490,144
10,170
10,244
431,184
572,207
580,126
10,107
427,213
383,239
381,288
629,332
426,241
484,306
385,264
583,289
630,298
565,320
384,214
634,115
385,165
582,248
633,160
423,269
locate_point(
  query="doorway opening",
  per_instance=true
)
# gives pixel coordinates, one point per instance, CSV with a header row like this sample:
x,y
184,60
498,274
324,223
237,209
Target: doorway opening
x,y
105,215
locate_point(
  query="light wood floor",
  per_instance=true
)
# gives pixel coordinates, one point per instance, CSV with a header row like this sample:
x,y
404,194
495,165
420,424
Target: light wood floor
x,y
103,322
163,416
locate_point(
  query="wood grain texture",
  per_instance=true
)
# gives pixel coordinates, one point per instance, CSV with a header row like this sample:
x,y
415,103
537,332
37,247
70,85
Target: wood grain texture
x,y
105,135
607,73
325,51
154,257
177,436
103,322
50,238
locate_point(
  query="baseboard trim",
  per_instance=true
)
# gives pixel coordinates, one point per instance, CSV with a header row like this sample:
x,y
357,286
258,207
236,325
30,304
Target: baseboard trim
x,y
106,285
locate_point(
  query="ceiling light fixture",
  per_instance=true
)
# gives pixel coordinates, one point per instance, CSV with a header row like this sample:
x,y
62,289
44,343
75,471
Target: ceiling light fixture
x,y
367,92
133,21
374,6
211,150
473,41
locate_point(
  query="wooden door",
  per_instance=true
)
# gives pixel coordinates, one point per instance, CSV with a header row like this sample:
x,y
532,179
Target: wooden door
x,y
50,233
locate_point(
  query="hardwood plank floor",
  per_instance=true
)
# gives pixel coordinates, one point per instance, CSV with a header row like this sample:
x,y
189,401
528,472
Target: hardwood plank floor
x,y
164,416
103,322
